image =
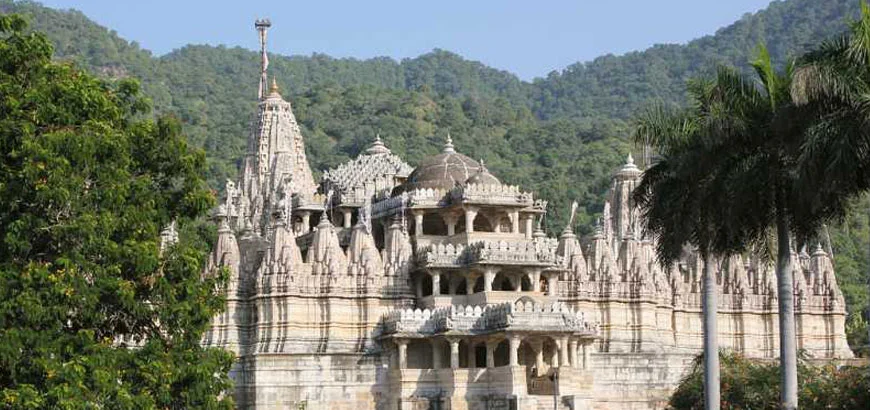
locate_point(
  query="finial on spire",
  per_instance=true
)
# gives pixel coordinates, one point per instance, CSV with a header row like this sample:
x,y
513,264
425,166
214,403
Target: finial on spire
x,y
448,146
630,159
274,88
262,26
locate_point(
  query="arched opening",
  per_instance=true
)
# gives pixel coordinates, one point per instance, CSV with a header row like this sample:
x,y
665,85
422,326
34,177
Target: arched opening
x,y
480,355
481,224
444,286
478,284
502,354
464,348
379,235
526,284
504,224
426,284
502,282
433,224
545,286
460,226
461,286
419,355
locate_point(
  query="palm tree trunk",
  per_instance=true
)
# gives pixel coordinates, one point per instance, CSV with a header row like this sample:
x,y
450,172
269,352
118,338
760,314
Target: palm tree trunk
x,y
785,292
711,336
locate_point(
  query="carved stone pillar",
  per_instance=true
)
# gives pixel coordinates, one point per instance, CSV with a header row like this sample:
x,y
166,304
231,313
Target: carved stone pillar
x,y
539,357
488,277
454,353
515,221
554,357
514,341
306,222
436,283
490,353
346,217
470,214
450,220
535,278
403,353
563,352
530,220
418,223
552,284
470,280
572,352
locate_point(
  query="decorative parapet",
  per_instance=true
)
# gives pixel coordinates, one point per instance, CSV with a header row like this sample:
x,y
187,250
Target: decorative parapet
x,y
492,194
521,252
521,316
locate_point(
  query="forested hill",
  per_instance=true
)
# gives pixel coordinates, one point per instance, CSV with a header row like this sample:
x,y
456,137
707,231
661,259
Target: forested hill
x,y
560,136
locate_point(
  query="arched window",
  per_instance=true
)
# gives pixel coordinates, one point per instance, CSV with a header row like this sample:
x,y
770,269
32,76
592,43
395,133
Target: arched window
x,y
481,224
433,224
502,282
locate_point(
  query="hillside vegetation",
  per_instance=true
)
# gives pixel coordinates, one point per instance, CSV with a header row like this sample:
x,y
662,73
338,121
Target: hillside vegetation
x,y
560,136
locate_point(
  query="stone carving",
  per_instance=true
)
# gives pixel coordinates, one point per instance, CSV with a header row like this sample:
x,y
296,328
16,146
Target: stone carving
x,y
445,259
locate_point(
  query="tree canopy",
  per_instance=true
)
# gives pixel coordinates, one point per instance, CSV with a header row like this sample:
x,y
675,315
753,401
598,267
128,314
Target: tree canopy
x,y
87,182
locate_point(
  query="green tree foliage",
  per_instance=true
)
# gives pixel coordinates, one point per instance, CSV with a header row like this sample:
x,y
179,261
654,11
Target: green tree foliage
x,y
87,181
754,385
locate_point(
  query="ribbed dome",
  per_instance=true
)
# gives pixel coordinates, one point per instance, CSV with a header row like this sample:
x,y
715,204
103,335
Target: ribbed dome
x,y
483,177
442,171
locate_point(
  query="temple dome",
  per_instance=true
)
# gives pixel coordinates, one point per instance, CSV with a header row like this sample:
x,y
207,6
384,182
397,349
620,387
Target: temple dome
x,y
442,171
483,177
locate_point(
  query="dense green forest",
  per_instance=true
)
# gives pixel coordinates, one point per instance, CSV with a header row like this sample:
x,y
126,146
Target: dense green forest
x,y
561,135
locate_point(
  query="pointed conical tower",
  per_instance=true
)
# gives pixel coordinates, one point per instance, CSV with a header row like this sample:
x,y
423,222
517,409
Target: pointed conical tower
x,y
325,254
623,218
275,162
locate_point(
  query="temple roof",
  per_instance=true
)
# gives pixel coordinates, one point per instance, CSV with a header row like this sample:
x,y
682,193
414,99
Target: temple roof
x,y
365,171
442,171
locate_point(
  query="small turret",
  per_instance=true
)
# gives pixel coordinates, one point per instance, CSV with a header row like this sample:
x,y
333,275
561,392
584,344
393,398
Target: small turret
x,y
397,250
362,254
226,250
325,254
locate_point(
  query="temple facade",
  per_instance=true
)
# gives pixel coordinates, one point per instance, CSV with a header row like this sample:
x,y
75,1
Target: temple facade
x,y
389,286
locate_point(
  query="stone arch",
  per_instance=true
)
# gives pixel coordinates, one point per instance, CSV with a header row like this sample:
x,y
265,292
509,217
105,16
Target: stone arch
x,y
502,282
526,284
502,353
426,284
433,224
461,287
419,354
478,284
481,224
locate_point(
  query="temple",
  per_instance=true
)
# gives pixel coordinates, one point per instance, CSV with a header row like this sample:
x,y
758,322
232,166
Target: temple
x,y
388,286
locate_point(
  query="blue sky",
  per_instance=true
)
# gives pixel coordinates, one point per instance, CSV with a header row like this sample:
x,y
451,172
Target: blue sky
x,y
529,38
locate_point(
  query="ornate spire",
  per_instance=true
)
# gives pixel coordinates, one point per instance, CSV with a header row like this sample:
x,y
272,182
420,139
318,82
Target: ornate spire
x,y
377,147
262,27
448,146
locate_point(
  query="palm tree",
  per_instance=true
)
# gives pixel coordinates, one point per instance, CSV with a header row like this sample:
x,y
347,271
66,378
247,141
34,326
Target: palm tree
x,y
739,154
833,81
678,197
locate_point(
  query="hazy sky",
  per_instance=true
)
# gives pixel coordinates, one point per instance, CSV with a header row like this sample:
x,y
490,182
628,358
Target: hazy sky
x,y
529,38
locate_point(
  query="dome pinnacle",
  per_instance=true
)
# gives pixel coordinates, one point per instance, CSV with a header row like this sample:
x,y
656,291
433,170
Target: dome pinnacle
x,y
448,146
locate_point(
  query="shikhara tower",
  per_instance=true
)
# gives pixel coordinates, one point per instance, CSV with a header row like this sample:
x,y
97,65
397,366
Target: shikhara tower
x,y
387,286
